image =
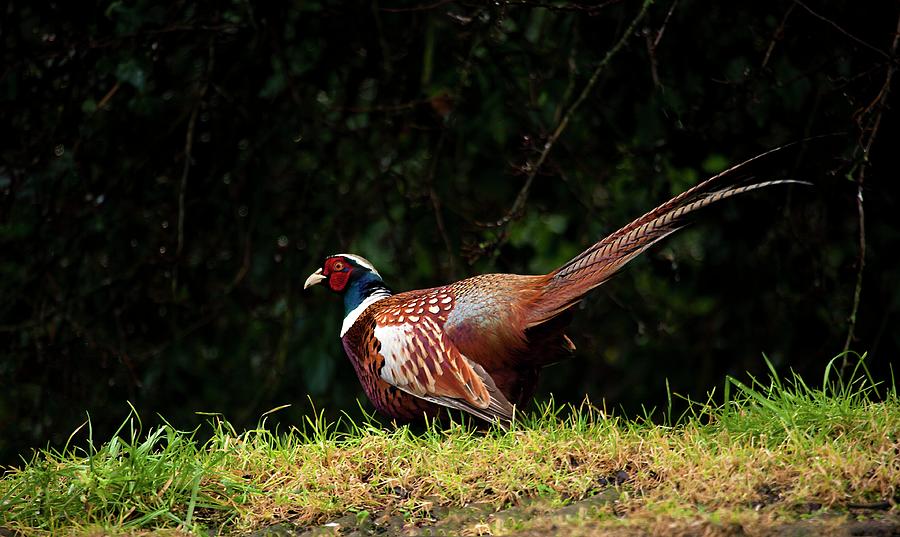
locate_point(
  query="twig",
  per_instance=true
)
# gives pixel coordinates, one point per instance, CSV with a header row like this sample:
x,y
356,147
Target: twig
x,y
245,258
424,7
651,52
436,202
570,85
382,108
439,218
519,204
654,42
382,41
777,36
591,9
881,101
185,170
662,28
585,8
109,95
188,147
861,264
432,170
841,30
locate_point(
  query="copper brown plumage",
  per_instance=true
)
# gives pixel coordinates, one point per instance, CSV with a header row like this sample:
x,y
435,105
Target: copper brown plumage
x,y
477,345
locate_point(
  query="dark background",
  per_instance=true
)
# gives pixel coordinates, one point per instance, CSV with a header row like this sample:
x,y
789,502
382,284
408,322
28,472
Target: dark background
x,y
170,174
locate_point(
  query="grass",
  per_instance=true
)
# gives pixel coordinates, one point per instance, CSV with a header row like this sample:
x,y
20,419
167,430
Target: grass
x,y
771,453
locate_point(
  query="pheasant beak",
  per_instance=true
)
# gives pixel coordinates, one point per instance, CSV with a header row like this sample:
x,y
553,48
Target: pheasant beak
x,y
314,278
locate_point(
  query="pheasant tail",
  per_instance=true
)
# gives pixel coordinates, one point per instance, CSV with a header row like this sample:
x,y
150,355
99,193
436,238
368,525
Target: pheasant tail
x,y
569,283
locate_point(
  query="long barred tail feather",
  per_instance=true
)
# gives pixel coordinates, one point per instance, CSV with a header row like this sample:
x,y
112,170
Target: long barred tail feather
x,y
589,269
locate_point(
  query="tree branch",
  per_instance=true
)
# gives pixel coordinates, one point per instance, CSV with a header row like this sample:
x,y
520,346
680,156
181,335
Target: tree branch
x,y
185,170
519,204
878,106
837,27
652,43
777,36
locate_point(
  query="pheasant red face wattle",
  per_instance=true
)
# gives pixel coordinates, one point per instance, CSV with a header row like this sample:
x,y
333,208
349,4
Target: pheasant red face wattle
x,y
338,271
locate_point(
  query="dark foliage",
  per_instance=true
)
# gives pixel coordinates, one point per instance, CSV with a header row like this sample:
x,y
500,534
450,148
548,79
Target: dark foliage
x,y
170,174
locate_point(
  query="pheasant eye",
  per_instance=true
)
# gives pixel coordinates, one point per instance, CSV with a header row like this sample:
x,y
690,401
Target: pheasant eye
x,y
338,266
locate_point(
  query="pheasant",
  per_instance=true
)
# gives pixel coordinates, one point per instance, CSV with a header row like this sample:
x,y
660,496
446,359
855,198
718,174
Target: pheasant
x,y
477,345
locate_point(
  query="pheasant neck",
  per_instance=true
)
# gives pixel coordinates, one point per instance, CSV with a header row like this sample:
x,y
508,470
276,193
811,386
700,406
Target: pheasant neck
x,y
360,295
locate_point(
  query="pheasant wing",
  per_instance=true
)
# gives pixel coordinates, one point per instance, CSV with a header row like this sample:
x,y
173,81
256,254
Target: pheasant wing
x,y
421,360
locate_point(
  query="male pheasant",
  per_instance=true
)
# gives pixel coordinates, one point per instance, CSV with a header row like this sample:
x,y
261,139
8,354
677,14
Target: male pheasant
x,y
478,344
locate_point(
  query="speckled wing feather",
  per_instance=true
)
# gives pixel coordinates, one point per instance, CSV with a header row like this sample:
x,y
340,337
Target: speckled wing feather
x,y
421,359
568,284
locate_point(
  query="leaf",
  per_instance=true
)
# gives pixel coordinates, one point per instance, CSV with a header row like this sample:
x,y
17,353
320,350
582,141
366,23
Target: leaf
x,y
714,163
131,72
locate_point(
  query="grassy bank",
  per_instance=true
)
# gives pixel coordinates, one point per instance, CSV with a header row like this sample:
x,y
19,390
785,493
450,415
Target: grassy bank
x,y
774,452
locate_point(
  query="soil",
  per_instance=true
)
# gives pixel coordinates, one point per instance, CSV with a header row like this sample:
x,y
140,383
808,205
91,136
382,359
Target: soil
x,y
597,516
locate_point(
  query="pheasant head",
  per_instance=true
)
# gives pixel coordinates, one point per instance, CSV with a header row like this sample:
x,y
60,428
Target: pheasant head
x,y
340,271
354,277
